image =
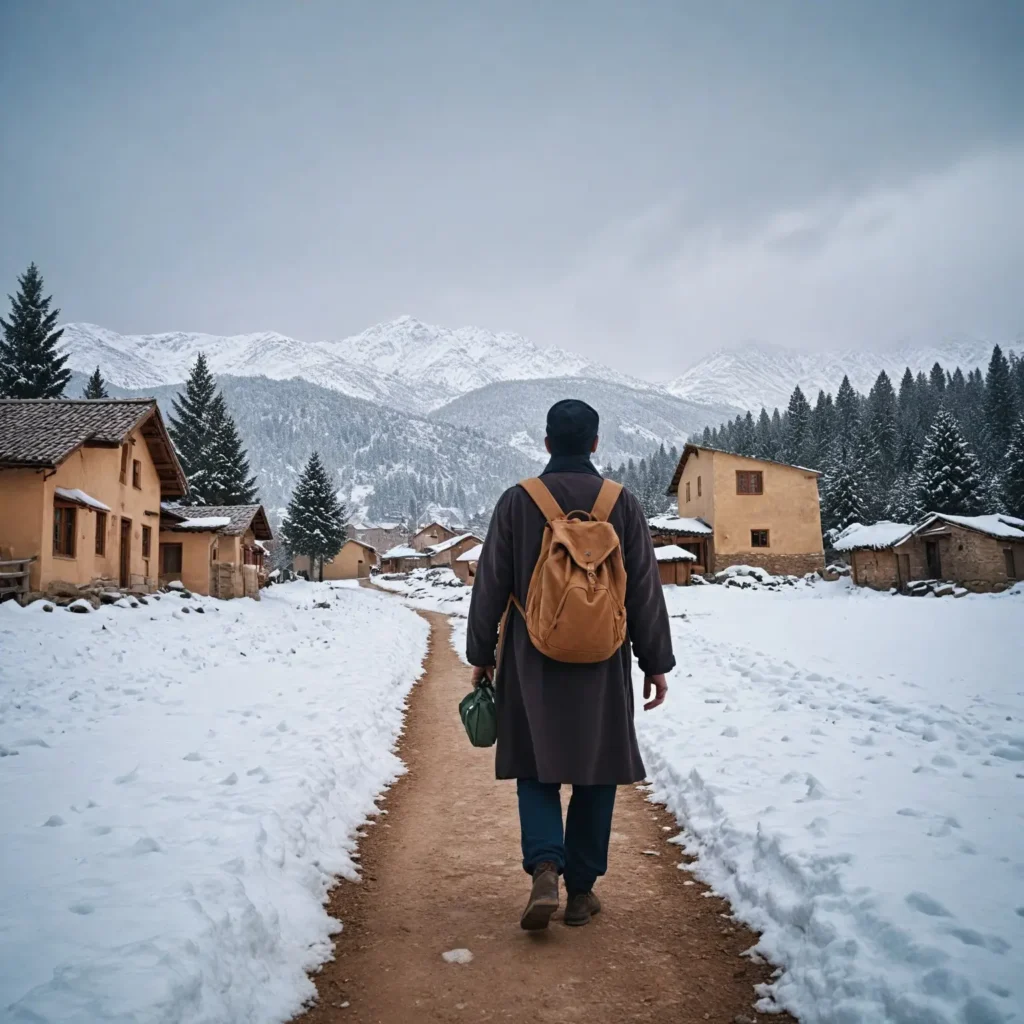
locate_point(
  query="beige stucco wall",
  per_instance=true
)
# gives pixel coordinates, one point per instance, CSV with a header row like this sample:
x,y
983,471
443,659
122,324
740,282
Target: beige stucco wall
x,y
26,515
353,561
788,509
196,556
699,464
21,516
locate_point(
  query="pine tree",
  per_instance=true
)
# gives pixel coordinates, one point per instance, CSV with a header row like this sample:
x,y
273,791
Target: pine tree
x,y
844,502
230,482
189,428
798,429
901,506
847,416
1012,479
96,386
30,365
314,525
948,476
1000,405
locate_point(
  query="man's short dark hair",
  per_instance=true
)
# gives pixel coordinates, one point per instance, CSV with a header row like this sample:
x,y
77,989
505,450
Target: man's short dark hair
x,y
572,426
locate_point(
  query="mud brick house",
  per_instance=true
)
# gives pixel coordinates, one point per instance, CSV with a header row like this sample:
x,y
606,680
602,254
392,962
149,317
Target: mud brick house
x,y
465,564
380,536
214,549
449,550
674,564
403,558
81,482
353,562
430,535
759,512
980,553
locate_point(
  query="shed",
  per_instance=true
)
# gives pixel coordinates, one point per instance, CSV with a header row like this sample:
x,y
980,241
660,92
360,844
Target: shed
x,y
403,558
465,564
674,563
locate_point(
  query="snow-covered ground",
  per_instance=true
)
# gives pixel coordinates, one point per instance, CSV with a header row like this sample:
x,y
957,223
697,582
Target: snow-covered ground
x,y
849,771
432,590
178,791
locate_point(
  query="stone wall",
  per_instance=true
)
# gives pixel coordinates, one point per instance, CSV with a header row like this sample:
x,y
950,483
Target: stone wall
x,y
777,564
875,569
973,560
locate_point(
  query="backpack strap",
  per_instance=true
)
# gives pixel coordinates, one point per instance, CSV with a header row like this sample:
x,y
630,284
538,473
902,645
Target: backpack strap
x,y
606,499
542,498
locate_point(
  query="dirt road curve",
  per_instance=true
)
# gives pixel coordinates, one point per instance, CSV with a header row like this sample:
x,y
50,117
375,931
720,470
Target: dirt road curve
x,y
442,871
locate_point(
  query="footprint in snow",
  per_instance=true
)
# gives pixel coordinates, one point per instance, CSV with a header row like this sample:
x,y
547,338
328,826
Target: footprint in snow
x,y
53,821
924,904
230,780
81,908
192,756
969,937
730,730
146,845
130,777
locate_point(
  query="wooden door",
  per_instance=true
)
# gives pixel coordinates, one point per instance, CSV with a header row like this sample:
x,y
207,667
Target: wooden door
x,y
903,564
931,554
126,551
1011,563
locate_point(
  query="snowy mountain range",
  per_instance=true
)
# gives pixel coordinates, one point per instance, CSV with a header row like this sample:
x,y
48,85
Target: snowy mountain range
x,y
406,364
762,375
422,412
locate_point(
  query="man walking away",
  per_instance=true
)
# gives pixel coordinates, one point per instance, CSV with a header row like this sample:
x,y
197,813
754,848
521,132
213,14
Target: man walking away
x,y
561,722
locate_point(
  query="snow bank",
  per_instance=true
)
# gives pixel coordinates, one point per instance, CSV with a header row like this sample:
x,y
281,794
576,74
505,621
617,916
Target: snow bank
x,y
850,774
181,784
433,590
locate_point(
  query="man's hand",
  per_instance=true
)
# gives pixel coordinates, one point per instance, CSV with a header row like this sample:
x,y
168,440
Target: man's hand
x,y
482,674
660,687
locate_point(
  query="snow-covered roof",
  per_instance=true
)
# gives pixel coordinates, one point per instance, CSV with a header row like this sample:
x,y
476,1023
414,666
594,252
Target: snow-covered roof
x,y
361,543
674,553
240,518
383,526
680,524
445,545
472,555
203,523
1000,526
873,535
403,551
73,494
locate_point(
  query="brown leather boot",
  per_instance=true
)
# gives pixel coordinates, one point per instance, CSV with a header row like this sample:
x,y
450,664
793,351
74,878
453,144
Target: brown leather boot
x,y
543,897
580,908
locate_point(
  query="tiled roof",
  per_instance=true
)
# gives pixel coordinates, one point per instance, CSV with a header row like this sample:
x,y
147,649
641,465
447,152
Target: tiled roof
x,y
240,518
43,432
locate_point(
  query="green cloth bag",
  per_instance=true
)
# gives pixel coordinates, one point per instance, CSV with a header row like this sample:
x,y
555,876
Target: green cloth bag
x,y
480,716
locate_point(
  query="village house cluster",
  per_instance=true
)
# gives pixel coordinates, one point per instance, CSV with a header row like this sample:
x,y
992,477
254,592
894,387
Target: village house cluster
x,y
89,499
92,492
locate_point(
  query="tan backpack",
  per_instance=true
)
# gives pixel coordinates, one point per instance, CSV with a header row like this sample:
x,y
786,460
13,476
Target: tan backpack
x,y
576,603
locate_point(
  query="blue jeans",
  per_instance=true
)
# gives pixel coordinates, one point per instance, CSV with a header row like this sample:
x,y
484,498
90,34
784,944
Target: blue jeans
x,y
581,854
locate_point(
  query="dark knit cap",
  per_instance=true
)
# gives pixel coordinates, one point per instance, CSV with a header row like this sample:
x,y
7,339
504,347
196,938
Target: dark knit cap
x,y
572,427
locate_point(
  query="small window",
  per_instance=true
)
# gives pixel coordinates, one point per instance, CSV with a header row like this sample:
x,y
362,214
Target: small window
x,y
124,463
759,538
137,474
147,535
687,490
64,522
749,482
1011,563
170,559
698,487
101,533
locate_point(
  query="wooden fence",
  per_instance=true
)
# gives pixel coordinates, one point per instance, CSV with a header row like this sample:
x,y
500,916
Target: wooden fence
x,y
14,576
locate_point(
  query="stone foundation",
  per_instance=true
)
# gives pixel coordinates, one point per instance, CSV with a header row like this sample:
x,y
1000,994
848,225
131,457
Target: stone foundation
x,y
776,564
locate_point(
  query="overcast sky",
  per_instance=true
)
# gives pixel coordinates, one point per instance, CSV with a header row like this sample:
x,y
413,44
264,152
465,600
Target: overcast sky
x,y
644,181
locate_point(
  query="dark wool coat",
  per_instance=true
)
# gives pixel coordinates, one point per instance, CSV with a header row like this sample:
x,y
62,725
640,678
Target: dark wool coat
x,y
559,722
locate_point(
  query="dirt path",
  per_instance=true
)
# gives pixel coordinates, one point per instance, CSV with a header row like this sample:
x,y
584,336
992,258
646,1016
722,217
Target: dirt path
x,y
442,871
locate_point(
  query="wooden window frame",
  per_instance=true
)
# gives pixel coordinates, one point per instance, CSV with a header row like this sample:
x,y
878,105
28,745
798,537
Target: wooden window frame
x,y
698,487
164,548
756,534
147,541
101,534
750,482
687,490
137,474
65,518
124,463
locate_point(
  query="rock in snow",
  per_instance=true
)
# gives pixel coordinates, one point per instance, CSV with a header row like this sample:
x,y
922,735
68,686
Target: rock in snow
x,y
190,842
